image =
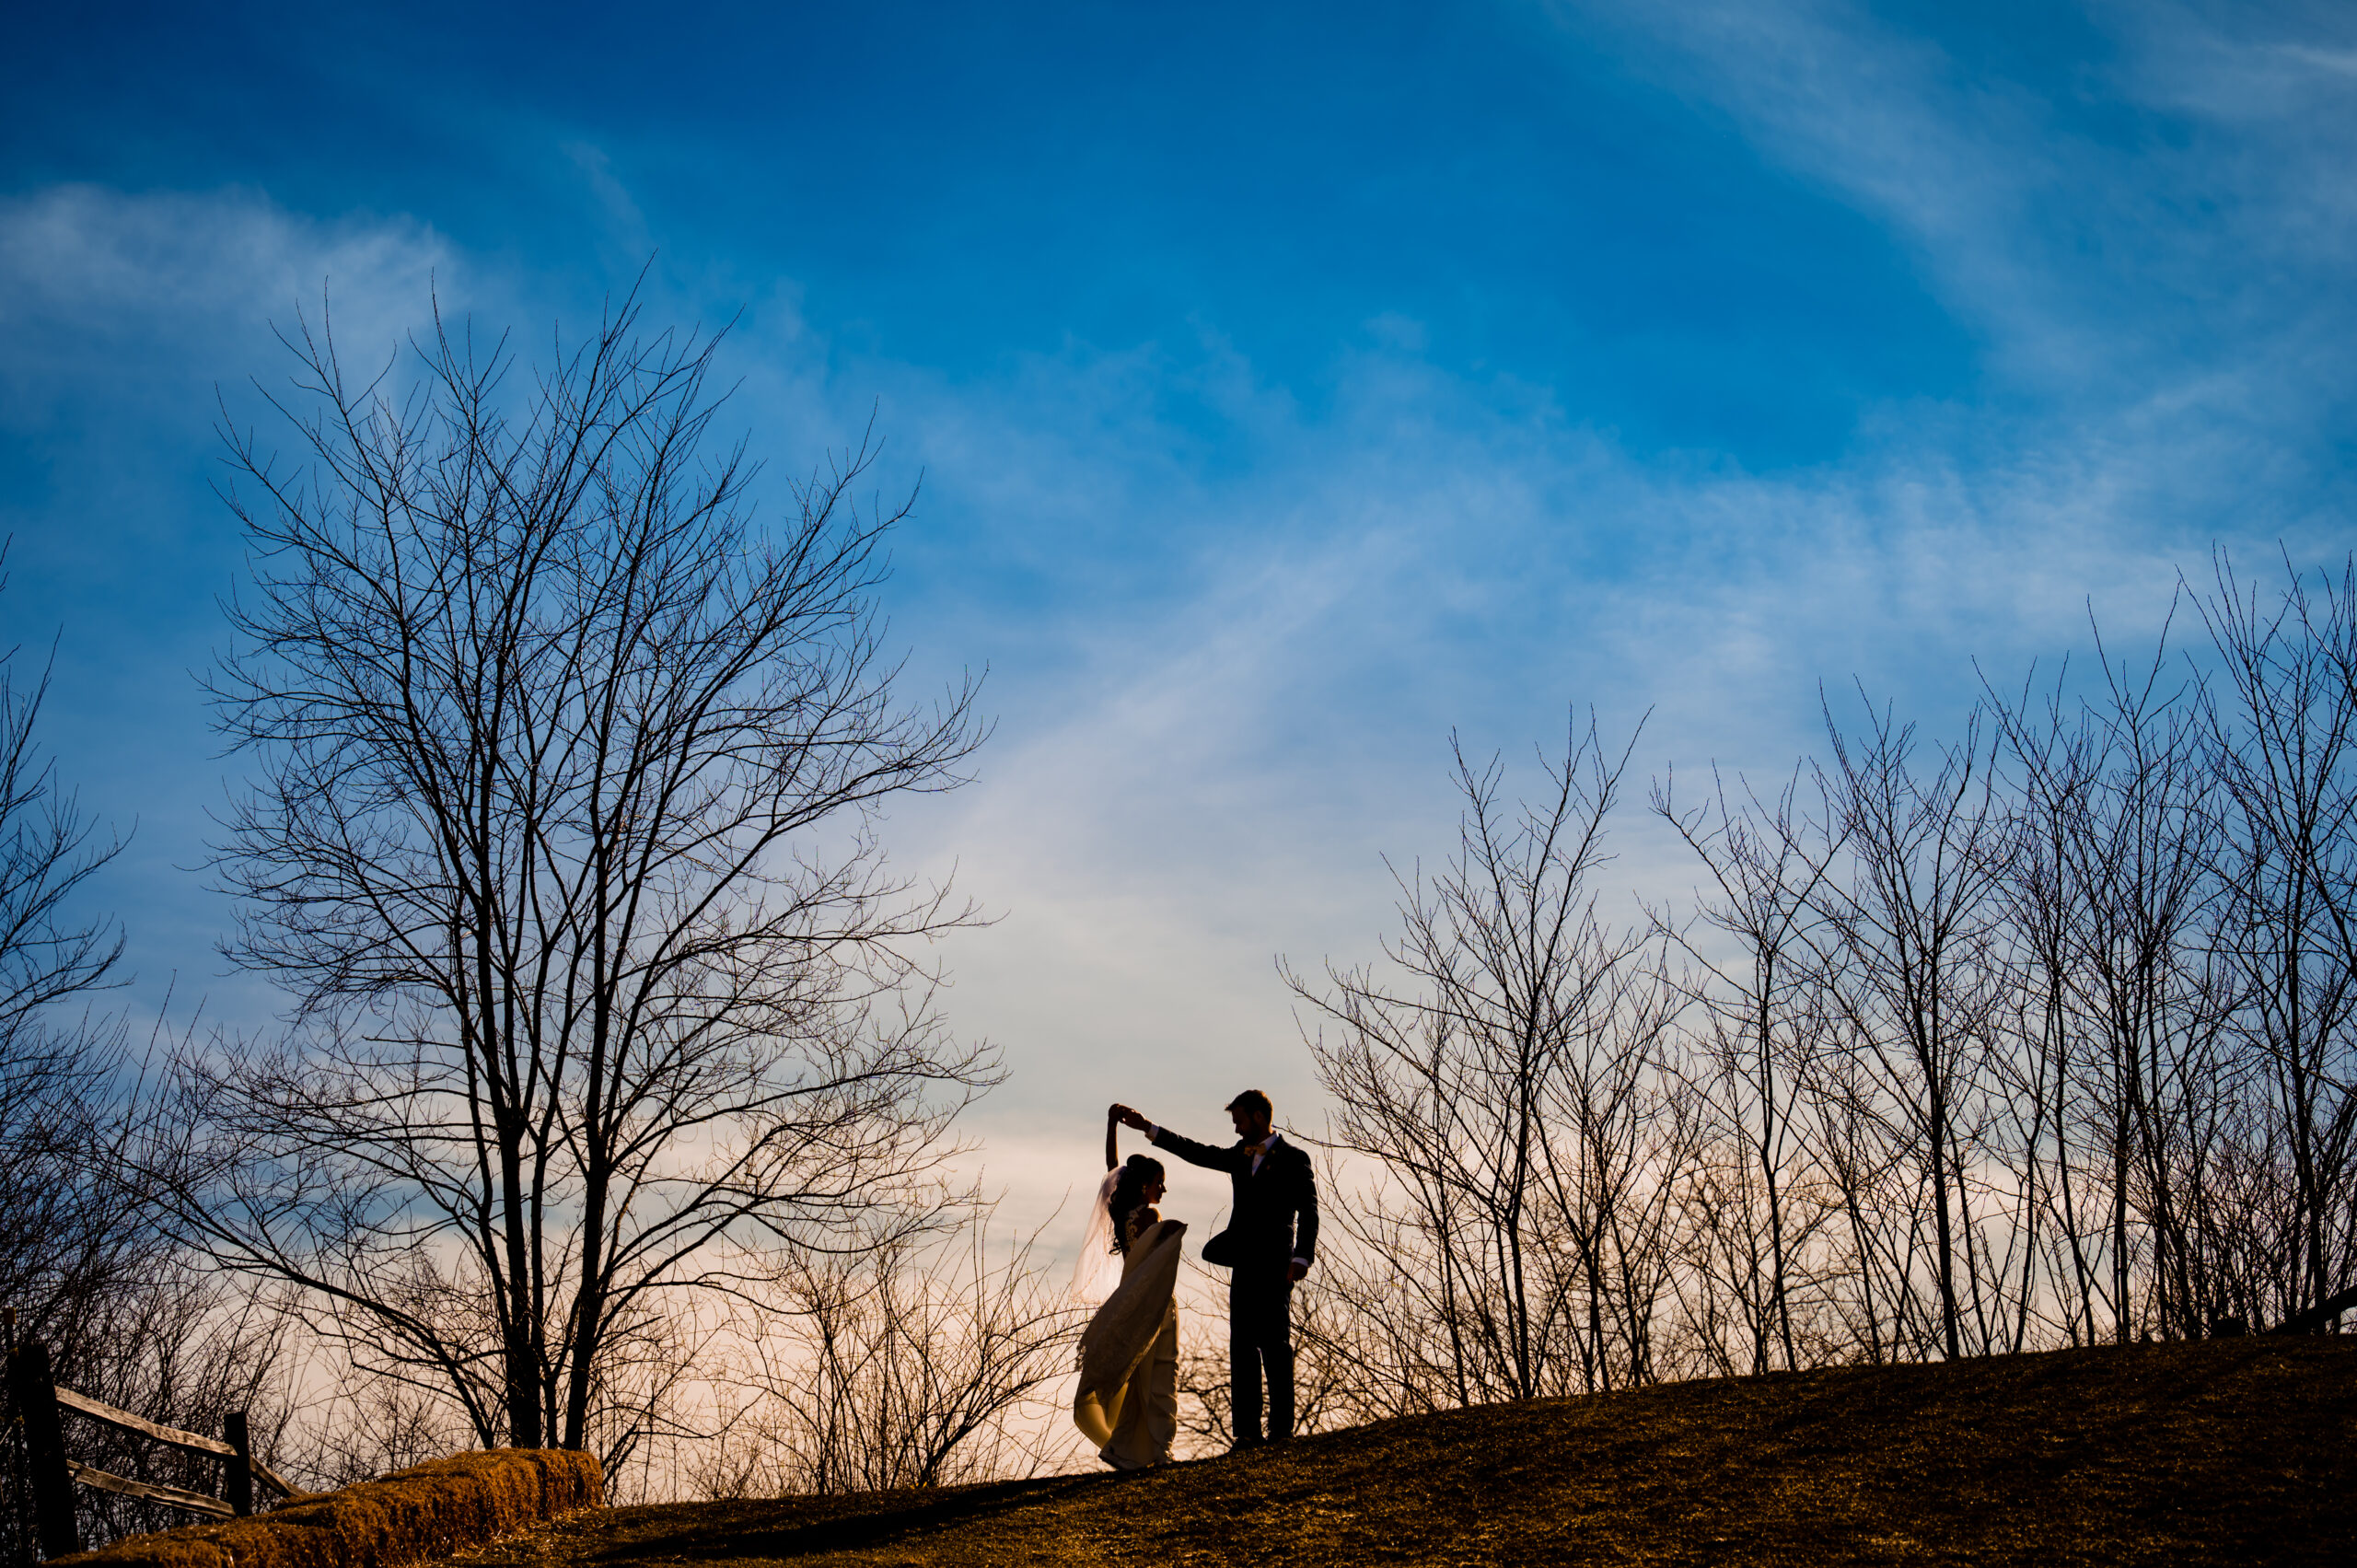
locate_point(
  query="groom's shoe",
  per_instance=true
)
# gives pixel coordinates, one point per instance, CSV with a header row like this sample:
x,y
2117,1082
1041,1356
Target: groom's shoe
x,y
1245,1445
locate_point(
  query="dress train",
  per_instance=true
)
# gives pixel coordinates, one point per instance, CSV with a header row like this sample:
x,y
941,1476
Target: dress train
x,y
1127,1403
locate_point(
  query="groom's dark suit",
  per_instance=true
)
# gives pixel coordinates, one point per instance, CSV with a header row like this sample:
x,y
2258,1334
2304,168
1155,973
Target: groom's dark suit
x,y
1273,1226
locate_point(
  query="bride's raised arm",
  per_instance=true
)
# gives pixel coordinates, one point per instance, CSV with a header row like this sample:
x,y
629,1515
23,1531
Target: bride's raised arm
x,y
1113,1145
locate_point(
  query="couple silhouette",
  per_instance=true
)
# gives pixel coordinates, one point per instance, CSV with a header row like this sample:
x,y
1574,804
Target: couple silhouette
x,y
1127,1403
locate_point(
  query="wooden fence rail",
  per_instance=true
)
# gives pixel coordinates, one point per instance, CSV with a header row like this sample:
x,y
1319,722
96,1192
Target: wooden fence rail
x,y
39,1402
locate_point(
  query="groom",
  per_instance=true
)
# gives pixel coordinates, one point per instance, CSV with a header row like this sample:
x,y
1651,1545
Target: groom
x,y
1272,1237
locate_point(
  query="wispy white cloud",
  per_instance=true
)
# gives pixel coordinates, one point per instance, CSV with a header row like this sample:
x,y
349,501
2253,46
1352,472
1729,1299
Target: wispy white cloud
x,y
2248,64
2168,229
1958,165
121,312
90,276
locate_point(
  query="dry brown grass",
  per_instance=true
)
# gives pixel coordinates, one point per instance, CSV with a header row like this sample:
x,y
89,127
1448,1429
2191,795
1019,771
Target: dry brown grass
x,y
427,1511
2238,1452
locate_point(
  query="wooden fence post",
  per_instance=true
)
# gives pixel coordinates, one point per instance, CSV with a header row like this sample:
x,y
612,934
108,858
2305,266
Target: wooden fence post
x,y
36,1394
239,1481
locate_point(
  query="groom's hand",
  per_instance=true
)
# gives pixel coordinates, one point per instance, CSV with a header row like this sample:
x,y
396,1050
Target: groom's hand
x,y
1300,1272
1128,1118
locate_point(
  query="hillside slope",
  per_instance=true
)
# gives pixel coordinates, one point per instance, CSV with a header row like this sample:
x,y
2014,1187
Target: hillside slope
x,y
2236,1452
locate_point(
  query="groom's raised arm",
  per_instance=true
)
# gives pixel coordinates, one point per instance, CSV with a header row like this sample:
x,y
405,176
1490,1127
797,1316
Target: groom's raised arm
x,y
1194,1153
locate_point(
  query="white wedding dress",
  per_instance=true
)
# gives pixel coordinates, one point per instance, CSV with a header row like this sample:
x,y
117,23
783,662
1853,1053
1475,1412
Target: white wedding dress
x,y
1127,1403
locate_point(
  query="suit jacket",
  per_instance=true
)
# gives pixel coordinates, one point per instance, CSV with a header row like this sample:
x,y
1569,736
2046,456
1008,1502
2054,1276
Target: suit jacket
x,y
1276,1215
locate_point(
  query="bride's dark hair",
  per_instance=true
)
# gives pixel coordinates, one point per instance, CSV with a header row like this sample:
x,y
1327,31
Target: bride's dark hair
x,y
1129,1194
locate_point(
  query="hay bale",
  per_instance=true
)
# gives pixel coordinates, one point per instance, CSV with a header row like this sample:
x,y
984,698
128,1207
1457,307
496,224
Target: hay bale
x,y
429,1510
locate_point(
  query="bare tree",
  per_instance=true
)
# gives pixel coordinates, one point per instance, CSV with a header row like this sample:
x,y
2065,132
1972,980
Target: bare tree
x,y
1506,1090
1767,863
2111,894
563,843
2282,742
906,1364
82,1267
69,1263
1921,979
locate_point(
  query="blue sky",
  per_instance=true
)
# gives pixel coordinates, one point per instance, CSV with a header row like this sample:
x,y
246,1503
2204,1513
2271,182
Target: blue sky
x,y
1289,385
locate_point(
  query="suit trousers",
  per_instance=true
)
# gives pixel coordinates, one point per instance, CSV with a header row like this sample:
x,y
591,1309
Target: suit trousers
x,y
1259,1347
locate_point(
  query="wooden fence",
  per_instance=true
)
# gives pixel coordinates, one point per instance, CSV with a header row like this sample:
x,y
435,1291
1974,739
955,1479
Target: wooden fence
x,y
42,1405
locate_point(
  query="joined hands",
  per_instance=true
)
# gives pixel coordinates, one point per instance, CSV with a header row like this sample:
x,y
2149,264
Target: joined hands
x,y
1126,1117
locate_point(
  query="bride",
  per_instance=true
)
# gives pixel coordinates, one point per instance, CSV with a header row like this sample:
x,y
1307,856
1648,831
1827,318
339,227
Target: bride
x,y
1128,1399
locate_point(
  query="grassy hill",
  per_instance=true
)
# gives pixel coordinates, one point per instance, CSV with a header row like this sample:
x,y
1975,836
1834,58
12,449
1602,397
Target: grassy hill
x,y
2235,1452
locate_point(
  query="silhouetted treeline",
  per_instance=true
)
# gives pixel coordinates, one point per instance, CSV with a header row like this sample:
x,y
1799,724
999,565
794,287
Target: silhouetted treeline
x,y
2037,1035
